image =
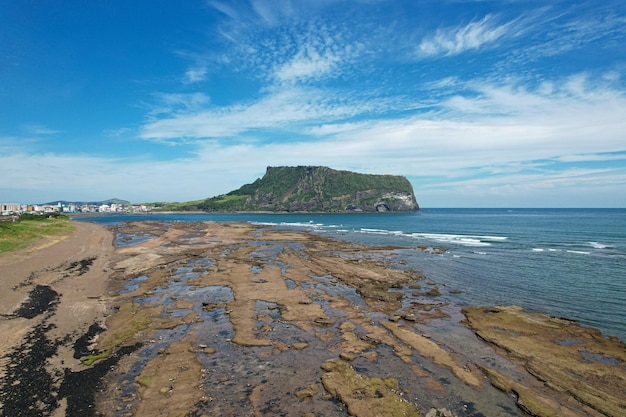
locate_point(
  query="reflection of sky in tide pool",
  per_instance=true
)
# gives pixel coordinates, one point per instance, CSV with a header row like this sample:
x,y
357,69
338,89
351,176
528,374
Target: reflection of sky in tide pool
x,y
597,357
133,284
127,239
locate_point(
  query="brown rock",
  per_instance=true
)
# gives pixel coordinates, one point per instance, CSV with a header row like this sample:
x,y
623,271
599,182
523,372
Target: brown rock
x,y
307,393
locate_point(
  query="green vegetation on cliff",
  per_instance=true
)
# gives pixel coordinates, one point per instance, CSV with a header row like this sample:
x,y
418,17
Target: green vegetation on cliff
x,y
317,189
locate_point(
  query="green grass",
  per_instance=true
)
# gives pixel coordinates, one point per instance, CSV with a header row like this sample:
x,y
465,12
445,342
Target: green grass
x,y
174,206
225,202
89,360
27,230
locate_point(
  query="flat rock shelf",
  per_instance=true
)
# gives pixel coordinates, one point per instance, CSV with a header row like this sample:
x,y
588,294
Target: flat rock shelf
x,y
233,319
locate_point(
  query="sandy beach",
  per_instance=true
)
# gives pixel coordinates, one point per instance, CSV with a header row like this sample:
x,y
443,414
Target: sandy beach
x,y
229,319
52,291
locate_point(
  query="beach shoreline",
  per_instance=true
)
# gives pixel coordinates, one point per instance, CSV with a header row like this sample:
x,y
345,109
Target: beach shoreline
x,y
54,290
231,311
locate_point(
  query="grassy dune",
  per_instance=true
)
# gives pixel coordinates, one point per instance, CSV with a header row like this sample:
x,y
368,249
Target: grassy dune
x,y
29,228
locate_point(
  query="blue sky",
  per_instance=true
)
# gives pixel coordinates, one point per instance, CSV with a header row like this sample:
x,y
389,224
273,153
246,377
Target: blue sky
x,y
511,103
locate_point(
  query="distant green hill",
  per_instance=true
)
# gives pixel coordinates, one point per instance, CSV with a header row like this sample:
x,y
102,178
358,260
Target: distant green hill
x,y
90,203
316,189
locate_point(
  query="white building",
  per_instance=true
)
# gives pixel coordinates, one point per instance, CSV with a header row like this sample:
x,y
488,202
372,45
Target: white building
x,y
10,208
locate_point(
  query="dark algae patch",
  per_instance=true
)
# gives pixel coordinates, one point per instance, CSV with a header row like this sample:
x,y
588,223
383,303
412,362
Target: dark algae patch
x,y
82,344
80,267
80,388
41,299
27,388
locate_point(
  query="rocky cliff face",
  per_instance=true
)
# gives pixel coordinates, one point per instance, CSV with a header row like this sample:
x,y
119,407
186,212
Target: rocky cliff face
x,y
318,189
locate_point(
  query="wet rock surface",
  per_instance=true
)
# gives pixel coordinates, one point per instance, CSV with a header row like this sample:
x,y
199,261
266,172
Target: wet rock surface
x,y
569,359
233,319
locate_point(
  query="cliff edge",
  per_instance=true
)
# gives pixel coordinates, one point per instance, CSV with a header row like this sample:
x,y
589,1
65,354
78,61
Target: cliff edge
x,y
317,189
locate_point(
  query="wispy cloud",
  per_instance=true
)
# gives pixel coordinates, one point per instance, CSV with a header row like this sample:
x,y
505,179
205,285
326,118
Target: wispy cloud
x,y
309,53
284,42
551,33
195,74
272,12
475,35
599,157
283,109
308,63
549,142
176,103
558,188
117,132
574,34
41,130
225,9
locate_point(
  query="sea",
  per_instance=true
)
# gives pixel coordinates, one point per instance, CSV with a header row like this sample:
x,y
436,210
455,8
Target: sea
x,y
568,263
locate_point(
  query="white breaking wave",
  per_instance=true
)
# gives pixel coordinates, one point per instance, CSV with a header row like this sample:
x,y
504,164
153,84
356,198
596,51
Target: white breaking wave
x,y
579,252
465,240
375,231
291,224
448,238
597,245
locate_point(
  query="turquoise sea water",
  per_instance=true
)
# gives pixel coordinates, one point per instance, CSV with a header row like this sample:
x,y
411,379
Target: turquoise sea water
x,y
564,262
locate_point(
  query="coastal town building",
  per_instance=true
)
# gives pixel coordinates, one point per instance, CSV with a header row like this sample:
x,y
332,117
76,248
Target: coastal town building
x,y
9,209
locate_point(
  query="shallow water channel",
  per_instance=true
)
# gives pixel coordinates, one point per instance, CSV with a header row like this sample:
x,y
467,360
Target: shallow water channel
x,y
241,380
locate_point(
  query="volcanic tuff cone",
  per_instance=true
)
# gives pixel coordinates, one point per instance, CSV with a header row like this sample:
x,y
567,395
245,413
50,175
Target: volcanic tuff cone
x,y
318,189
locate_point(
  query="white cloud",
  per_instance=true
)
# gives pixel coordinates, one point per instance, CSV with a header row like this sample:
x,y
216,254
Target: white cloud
x,y
474,35
271,12
501,124
168,103
283,108
117,132
508,126
600,157
41,130
195,74
36,178
307,64
579,32
319,52
512,157
225,9
282,41
571,187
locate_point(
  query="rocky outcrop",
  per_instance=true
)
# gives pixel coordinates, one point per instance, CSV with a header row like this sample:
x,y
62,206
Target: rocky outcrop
x,y
318,189
569,359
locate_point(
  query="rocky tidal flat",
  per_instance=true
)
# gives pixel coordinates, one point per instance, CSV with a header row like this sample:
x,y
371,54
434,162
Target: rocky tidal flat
x,y
232,319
